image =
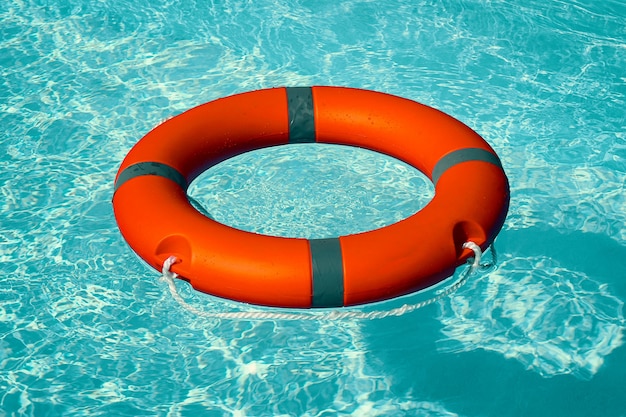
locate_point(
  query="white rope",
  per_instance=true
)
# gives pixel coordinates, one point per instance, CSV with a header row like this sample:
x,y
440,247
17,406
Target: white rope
x,y
168,276
478,253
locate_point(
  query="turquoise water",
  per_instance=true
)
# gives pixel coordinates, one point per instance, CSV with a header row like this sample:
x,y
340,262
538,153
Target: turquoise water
x,y
87,329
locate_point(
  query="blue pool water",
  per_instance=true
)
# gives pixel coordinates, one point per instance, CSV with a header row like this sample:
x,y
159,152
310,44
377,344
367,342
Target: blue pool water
x,y
86,328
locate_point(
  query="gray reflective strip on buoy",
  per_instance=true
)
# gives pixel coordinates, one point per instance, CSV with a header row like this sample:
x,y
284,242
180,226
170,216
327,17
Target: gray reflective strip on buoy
x,y
151,168
327,266
301,116
463,155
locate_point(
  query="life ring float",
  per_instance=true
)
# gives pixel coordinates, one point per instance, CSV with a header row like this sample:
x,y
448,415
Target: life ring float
x,y
157,220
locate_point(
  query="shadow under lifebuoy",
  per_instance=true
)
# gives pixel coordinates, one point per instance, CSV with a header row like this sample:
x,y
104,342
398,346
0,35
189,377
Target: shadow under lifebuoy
x,y
541,335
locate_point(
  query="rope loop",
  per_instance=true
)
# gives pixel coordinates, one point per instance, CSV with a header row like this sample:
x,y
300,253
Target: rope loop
x,y
168,276
166,273
478,253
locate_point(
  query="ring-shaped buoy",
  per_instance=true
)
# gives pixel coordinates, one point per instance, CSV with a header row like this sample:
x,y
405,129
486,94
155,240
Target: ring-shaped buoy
x,y
157,220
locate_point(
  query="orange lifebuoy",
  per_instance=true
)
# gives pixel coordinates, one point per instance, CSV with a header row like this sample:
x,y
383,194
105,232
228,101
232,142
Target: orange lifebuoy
x,y
156,219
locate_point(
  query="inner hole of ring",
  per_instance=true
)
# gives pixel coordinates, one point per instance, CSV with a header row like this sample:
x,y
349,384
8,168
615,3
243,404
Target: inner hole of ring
x,y
310,191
